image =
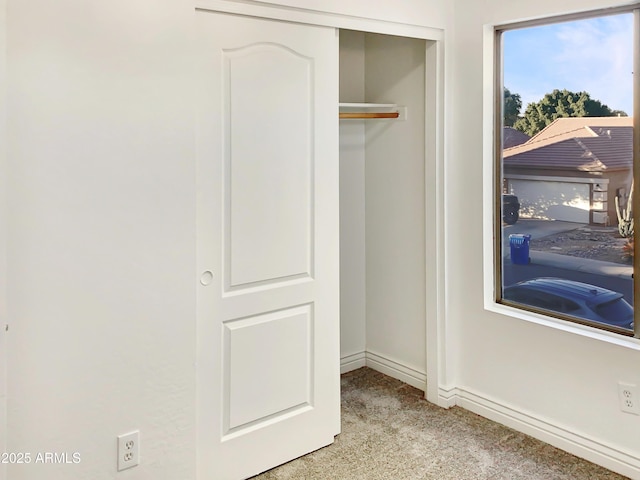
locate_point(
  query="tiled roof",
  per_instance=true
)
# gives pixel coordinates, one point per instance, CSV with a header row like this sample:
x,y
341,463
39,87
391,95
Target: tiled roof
x,y
583,144
512,137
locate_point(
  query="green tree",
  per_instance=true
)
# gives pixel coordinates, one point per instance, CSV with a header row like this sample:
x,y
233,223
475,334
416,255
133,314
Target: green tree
x,y
558,104
511,107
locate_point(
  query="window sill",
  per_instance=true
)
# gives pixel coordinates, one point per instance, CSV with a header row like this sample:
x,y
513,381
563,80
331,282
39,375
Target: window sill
x,y
562,325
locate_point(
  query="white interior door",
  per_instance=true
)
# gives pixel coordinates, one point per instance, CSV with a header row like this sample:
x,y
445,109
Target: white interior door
x,y
268,243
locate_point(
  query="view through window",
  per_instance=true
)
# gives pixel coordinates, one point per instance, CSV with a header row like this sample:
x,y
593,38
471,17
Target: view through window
x,y
565,170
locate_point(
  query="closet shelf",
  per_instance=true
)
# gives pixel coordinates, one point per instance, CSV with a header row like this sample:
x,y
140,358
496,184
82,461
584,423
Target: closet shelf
x,y
370,110
369,114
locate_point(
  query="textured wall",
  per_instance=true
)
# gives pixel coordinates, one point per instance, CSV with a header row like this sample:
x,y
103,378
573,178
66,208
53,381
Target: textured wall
x,y
430,13
100,229
395,202
3,228
352,200
101,236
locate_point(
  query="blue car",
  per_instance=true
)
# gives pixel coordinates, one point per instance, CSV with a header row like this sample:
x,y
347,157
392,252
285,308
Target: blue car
x,y
582,300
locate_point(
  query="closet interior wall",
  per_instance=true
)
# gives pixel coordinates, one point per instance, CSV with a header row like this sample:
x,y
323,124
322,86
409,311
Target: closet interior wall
x,y
382,208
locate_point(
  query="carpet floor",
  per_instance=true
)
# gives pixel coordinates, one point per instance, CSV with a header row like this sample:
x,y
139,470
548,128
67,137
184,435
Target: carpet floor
x,y
389,432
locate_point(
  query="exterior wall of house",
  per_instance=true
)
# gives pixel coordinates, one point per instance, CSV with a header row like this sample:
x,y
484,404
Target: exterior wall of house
x,y
553,173
501,360
616,180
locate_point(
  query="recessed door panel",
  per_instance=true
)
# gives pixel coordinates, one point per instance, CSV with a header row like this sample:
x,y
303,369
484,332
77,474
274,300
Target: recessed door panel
x,y
268,357
269,104
268,243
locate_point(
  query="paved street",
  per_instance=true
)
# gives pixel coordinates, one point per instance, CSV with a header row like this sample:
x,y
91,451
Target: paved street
x,y
608,275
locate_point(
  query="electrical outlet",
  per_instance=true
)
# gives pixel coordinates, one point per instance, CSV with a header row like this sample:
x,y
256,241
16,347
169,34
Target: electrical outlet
x,y
128,450
629,399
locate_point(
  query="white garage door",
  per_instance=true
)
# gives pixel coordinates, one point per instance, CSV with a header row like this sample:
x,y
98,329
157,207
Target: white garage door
x,y
565,201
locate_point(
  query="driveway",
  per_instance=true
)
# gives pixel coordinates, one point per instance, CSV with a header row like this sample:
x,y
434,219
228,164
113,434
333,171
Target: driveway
x,y
536,228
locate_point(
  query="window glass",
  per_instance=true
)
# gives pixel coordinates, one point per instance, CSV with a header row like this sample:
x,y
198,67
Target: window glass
x,y
565,170
615,309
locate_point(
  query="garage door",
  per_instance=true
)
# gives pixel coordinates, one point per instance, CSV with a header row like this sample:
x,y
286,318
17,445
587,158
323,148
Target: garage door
x,y
565,201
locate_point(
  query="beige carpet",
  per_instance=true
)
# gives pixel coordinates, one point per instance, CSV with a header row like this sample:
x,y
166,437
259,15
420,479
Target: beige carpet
x,y
389,432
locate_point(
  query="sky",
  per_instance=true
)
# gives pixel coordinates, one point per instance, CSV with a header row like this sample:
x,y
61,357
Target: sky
x,y
593,55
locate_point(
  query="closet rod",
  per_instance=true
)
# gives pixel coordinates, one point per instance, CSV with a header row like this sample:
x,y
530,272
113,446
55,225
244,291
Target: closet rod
x,y
369,115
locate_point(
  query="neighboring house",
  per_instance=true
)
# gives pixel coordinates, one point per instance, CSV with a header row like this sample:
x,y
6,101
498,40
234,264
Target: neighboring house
x,y
573,169
512,137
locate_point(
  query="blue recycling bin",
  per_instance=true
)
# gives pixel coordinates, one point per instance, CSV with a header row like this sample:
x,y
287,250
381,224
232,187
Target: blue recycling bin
x,y
519,244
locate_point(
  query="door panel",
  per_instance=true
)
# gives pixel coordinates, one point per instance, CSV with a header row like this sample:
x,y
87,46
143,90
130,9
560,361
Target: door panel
x,y
258,374
268,248
269,213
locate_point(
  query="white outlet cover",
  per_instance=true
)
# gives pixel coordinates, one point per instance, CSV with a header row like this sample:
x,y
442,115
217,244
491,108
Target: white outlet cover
x,y
629,397
128,450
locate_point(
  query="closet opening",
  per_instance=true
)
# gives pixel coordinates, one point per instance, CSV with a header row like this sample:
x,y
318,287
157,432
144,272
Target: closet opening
x,y
382,205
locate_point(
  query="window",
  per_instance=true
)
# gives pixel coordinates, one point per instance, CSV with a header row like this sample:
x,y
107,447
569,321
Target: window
x,y
565,191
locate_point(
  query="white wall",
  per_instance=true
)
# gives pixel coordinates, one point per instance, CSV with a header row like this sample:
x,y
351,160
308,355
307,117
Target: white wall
x,y
3,228
395,202
101,226
352,202
101,249
429,13
556,379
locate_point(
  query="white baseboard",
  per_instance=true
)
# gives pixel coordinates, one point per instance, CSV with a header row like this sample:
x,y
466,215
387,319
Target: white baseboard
x,y
384,365
447,397
581,445
578,444
352,362
397,370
